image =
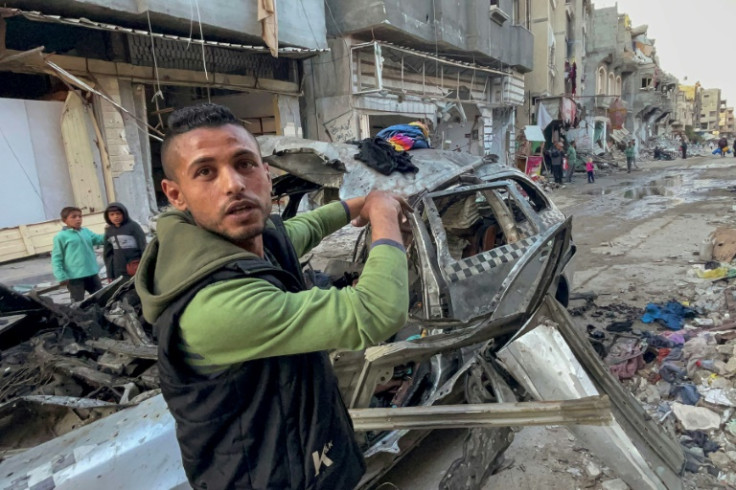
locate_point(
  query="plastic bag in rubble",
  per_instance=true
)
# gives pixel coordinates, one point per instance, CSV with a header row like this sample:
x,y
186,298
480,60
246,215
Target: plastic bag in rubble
x,y
731,427
723,272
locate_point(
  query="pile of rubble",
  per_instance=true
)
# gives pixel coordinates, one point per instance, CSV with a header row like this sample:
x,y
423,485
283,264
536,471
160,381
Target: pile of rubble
x,y
678,358
65,366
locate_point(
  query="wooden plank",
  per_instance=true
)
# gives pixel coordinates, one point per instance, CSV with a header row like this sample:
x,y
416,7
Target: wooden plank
x,y
13,247
26,240
126,348
8,234
78,147
594,410
13,243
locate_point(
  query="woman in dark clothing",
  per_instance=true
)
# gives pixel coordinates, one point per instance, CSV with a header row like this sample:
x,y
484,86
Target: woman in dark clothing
x,y
556,155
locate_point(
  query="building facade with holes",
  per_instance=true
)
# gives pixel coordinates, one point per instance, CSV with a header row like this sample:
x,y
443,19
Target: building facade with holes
x,y
624,83
458,66
86,86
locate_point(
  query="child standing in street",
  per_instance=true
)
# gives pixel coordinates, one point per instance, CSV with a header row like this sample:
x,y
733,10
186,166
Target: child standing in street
x,y
591,171
124,242
73,257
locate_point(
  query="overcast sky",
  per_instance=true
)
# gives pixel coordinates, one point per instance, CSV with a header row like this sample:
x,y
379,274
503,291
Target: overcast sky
x,y
694,39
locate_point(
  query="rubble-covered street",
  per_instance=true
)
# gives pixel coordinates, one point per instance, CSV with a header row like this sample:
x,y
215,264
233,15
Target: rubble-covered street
x,y
640,240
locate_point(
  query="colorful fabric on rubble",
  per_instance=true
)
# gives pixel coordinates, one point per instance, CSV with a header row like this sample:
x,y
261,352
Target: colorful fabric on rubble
x,y
625,359
405,137
671,315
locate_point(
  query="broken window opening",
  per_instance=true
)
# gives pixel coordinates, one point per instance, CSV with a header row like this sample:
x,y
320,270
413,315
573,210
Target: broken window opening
x,y
478,221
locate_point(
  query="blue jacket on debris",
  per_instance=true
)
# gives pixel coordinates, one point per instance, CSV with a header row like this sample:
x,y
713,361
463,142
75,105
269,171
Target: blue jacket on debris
x,y
73,255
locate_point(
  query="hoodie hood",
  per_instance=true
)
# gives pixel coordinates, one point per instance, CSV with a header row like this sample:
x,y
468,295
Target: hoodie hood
x,y
181,255
122,209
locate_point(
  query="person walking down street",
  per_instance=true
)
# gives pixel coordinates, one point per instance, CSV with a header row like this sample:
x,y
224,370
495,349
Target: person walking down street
x,y
572,160
73,256
734,148
124,242
723,146
683,146
590,169
630,152
243,342
556,155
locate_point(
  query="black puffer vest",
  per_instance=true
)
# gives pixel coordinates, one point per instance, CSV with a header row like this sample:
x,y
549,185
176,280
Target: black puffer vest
x,y
273,423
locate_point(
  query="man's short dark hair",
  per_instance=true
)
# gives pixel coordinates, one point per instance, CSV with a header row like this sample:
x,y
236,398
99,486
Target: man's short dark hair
x,y
65,212
189,118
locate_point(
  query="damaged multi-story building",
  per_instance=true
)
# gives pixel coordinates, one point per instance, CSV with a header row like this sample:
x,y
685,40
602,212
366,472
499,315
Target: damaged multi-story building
x,y
710,109
457,66
688,101
625,84
553,88
725,120
86,86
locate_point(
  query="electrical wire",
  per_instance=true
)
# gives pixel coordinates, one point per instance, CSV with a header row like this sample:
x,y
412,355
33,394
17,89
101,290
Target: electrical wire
x,y
158,92
17,160
201,34
309,24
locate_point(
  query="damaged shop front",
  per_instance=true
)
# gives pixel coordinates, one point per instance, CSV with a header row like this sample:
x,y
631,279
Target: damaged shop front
x,y
360,88
489,270
83,126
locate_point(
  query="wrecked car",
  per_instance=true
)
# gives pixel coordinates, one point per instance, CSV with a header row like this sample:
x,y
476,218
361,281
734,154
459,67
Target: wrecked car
x,y
489,262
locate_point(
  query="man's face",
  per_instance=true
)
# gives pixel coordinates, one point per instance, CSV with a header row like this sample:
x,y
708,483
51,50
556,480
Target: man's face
x,y
221,179
74,220
116,216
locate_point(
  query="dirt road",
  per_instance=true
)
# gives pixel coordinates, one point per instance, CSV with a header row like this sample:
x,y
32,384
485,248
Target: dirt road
x,y
637,236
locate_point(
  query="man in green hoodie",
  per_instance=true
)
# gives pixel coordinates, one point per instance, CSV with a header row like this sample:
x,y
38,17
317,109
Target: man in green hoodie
x,y
242,341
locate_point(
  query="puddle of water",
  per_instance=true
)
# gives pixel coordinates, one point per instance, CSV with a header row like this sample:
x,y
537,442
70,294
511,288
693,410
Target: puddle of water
x,y
666,187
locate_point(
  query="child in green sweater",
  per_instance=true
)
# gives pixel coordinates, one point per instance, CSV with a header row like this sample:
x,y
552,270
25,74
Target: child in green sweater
x,y
73,256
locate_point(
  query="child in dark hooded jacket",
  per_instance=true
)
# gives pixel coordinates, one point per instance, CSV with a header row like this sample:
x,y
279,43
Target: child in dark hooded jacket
x,y
124,242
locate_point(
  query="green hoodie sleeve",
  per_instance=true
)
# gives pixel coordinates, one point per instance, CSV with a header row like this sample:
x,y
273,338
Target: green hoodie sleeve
x,y
307,230
57,259
244,319
96,238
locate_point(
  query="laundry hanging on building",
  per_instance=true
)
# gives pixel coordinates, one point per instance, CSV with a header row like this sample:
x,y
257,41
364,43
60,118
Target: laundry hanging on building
x,y
404,137
382,156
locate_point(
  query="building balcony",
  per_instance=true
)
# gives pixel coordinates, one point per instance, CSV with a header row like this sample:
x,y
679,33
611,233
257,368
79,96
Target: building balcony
x,y
470,31
231,21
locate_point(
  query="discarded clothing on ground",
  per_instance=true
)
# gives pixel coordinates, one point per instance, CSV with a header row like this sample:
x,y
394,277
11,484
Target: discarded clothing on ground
x,y
404,137
671,315
671,372
688,393
378,154
625,359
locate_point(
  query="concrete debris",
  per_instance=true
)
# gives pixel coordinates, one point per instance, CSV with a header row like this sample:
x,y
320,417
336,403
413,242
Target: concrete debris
x,y
696,418
592,470
617,484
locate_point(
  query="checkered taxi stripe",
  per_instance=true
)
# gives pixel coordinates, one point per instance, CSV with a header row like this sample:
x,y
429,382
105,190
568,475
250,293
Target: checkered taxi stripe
x,y
551,217
484,262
